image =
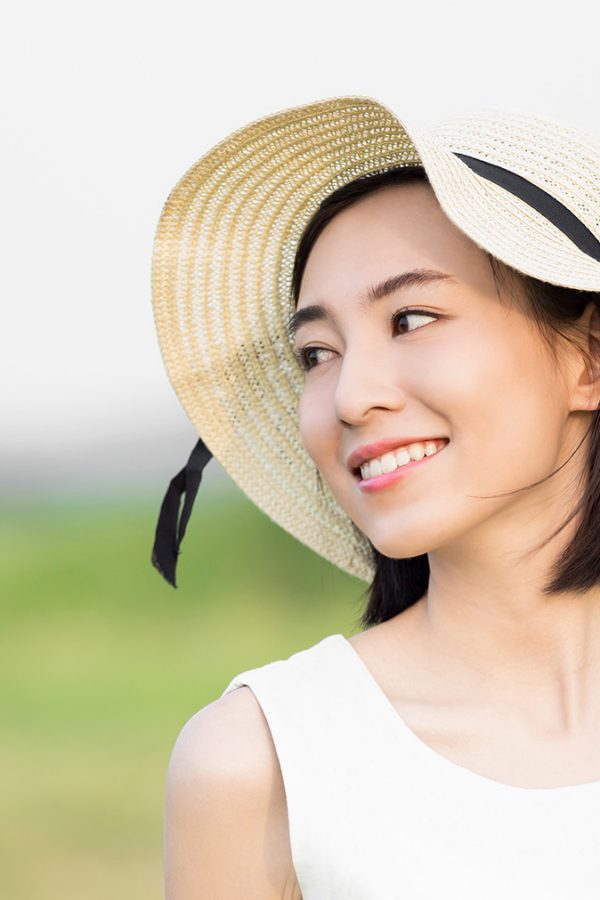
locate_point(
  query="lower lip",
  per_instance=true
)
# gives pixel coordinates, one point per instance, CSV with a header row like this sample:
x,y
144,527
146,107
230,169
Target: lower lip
x,y
382,481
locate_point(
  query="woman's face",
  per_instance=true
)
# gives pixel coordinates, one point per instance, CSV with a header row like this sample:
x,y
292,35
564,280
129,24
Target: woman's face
x,y
469,369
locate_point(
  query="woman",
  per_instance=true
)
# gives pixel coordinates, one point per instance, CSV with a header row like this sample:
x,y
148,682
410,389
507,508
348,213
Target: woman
x,y
445,320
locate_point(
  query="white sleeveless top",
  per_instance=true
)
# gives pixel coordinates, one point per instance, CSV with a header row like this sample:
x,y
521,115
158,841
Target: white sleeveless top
x,y
376,814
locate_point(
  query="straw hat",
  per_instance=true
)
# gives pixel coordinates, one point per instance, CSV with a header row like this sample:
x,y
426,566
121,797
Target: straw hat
x,y
523,188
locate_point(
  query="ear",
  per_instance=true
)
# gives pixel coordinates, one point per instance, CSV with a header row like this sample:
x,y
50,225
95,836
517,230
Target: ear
x,y
585,386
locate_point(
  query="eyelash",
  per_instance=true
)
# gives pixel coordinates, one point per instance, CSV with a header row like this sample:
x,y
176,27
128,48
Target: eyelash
x,y
301,353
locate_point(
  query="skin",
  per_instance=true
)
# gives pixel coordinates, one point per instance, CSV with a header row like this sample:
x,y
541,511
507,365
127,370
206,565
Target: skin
x,y
484,668
484,650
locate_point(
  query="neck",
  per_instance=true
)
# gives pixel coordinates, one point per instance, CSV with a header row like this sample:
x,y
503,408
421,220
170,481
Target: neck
x,y
486,619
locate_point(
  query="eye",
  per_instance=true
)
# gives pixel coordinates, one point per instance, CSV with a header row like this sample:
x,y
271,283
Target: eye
x,y
307,362
411,313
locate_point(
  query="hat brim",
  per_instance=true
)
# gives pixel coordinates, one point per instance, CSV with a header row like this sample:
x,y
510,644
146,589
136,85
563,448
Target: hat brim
x,y
221,284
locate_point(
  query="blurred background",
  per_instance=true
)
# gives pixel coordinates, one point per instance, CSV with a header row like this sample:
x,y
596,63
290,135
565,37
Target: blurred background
x,y
105,107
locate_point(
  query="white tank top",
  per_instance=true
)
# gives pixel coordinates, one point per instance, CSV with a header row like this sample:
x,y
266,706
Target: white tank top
x,y
376,814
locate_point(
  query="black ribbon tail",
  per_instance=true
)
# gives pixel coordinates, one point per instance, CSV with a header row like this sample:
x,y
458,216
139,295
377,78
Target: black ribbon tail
x,y
169,532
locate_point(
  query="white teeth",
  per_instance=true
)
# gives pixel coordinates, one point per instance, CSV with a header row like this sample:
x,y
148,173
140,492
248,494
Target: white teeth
x,y
375,467
388,462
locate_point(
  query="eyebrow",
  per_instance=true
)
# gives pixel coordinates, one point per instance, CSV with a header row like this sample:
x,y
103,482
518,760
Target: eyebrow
x,y
316,312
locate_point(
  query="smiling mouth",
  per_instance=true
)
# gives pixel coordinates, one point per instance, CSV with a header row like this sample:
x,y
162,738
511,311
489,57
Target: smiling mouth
x,y
406,460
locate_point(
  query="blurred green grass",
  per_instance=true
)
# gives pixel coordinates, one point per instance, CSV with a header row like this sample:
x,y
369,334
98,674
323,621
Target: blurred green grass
x,y
102,662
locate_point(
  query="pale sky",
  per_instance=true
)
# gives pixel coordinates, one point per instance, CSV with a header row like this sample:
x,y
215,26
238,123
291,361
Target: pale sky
x,y
107,105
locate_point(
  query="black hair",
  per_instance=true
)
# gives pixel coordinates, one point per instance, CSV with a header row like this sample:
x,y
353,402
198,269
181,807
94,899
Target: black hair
x,y
398,583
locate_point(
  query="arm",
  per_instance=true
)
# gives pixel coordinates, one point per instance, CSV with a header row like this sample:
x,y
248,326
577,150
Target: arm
x,y
226,831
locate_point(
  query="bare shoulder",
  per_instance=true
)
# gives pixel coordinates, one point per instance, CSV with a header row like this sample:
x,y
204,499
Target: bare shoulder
x,y
226,828
209,742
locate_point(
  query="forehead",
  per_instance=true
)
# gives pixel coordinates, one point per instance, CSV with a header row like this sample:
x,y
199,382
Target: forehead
x,y
396,228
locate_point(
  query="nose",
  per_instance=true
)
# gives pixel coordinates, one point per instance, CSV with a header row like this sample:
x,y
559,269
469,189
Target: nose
x,y
367,382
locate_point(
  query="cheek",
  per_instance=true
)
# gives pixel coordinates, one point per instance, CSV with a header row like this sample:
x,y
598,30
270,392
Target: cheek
x,y
316,424
527,393
506,408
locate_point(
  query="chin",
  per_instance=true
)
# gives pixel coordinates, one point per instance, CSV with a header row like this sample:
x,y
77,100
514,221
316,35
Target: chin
x,y
397,547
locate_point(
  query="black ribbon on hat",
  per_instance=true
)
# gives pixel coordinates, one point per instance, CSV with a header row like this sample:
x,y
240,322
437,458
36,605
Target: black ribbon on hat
x,y
169,532
540,200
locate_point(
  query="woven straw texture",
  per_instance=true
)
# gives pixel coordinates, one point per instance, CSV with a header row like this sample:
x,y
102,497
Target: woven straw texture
x,y
224,253
561,160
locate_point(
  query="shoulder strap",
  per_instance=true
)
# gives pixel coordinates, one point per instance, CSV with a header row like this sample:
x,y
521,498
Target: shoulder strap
x,y
329,739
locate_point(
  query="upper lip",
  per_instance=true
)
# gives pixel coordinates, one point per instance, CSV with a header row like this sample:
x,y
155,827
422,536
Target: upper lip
x,y
370,451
